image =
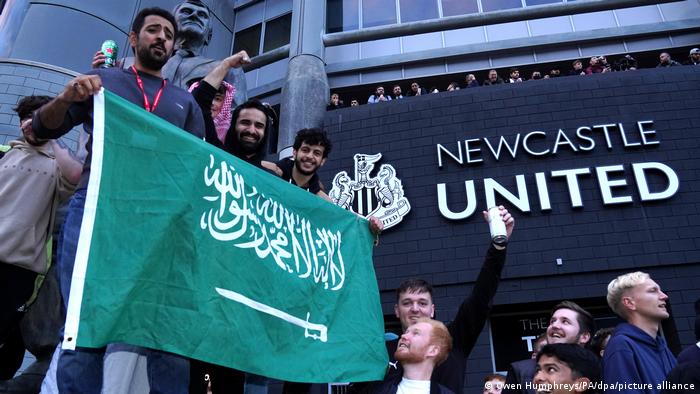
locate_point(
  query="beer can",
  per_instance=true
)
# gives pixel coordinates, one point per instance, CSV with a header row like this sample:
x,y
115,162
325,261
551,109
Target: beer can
x,y
497,226
110,50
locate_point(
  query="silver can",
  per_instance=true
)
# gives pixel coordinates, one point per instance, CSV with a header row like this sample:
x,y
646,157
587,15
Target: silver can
x,y
497,226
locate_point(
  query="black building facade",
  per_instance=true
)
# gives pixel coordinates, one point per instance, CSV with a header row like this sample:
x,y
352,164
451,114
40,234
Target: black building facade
x,y
601,173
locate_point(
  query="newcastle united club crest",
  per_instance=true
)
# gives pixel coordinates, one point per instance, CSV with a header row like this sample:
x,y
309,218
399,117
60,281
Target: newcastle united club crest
x,y
380,196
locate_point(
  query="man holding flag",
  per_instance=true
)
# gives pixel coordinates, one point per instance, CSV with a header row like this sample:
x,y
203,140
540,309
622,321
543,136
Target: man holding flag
x,y
251,123
151,38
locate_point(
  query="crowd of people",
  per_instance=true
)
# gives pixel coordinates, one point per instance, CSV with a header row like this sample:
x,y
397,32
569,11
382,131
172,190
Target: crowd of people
x,y
596,65
633,357
39,173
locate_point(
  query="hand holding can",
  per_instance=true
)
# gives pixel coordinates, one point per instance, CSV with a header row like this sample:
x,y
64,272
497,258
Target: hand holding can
x,y
497,226
110,49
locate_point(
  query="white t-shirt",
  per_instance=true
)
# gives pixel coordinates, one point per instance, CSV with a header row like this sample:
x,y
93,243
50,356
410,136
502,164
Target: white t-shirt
x,y
408,386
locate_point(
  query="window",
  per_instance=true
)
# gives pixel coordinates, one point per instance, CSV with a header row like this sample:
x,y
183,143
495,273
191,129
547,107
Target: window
x,y
418,10
276,35
378,13
459,7
277,32
495,5
248,40
342,15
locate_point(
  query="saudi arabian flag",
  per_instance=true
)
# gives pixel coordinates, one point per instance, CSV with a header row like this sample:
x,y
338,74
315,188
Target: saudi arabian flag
x,y
187,249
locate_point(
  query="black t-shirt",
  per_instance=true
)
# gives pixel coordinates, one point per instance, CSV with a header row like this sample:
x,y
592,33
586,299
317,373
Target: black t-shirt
x,y
286,165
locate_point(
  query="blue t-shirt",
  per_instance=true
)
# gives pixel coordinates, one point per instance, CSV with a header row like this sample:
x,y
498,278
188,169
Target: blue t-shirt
x,y
176,105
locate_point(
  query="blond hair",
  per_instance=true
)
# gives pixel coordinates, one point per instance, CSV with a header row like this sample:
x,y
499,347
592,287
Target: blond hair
x,y
439,336
618,286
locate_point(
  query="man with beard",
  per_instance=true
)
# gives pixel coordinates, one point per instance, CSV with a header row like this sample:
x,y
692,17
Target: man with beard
x,y
569,323
414,300
309,153
251,123
423,346
151,38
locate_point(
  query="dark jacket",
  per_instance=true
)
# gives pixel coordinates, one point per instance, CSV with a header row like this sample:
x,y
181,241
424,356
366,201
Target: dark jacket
x,y
520,375
204,95
686,374
488,82
633,356
689,354
466,326
390,385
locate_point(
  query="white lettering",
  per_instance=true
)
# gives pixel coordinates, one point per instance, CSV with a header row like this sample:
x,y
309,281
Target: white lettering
x,y
641,126
527,147
469,151
502,141
607,184
445,210
559,141
521,201
572,183
441,149
645,194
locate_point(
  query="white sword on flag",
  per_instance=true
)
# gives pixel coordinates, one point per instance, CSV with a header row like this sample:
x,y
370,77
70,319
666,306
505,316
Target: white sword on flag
x,y
305,324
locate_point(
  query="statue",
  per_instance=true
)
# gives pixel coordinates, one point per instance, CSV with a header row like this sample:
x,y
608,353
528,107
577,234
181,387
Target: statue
x,y
187,64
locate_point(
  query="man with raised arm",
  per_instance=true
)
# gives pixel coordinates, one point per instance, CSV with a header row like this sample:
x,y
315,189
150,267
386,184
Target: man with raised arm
x,y
151,38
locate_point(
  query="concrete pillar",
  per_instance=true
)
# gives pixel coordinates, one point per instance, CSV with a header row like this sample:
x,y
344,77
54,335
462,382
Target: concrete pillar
x,y
305,90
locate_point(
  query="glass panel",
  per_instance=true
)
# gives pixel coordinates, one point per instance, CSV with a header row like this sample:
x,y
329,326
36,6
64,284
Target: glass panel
x,y
638,15
540,2
58,25
594,20
459,7
419,42
495,5
342,15
378,13
248,40
553,25
418,10
342,53
504,31
469,35
277,32
678,11
249,16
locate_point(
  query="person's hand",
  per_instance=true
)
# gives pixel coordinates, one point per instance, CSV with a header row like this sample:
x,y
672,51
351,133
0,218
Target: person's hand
x,y
80,88
238,59
375,225
26,127
506,217
98,60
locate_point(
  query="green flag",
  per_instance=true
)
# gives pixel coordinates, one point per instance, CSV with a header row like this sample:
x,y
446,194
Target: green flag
x,y
187,249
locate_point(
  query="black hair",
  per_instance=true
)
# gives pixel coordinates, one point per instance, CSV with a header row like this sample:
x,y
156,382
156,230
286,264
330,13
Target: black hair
x,y
231,144
140,18
583,362
27,105
313,136
414,285
596,343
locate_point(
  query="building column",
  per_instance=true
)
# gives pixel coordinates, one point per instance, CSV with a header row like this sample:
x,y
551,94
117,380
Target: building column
x,y
305,89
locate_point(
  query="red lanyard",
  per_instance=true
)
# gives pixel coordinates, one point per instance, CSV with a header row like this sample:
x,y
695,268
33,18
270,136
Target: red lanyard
x,y
159,93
